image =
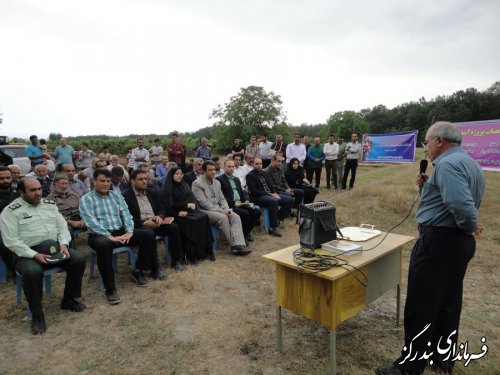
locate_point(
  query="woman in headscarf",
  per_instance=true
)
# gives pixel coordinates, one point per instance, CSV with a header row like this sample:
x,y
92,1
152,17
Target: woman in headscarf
x,y
196,231
294,175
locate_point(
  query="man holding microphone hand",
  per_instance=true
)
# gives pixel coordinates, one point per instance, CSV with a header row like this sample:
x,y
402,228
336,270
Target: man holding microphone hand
x,y
447,220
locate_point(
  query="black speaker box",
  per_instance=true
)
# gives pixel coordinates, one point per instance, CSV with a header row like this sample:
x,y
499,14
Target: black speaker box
x,y
317,224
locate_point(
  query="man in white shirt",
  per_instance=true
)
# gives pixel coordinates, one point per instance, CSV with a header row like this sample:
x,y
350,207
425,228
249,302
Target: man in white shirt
x,y
155,152
239,171
331,150
140,154
296,150
246,169
264,147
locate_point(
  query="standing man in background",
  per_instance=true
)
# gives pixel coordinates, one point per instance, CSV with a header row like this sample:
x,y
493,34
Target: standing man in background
x,y
279,145
176,151
34,152
447,220
352,155
155,152
140,154
204,151
85,156
237,148
264,147
296,150
338,165
63,154
315,158
252,149
330,150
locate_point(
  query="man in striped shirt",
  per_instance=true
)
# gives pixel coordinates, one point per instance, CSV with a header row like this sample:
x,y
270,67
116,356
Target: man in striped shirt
x,y
110,225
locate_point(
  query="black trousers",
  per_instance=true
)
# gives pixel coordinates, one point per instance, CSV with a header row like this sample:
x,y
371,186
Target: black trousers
x,y
147,256
32,273
350,166
298,196
435,283
249,218
314,171
278,208
329,168
174,241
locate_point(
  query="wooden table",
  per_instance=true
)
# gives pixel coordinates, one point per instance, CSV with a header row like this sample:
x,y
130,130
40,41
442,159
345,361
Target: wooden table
x,y
332,296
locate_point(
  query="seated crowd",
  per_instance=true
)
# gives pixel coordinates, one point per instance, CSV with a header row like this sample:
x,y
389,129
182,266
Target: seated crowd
x,y
156,195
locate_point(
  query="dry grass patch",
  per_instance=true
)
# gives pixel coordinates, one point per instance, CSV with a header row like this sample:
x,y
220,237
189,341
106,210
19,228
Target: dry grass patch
x,y
219,317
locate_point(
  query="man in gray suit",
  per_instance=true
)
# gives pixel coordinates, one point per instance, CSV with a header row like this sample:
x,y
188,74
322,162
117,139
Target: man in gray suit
x,y
208,193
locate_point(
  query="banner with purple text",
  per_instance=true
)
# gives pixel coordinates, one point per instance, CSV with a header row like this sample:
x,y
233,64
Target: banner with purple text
x,y
390,148
481,140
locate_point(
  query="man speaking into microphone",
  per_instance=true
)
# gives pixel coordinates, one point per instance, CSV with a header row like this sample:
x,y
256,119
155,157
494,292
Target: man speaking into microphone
x,y
447,220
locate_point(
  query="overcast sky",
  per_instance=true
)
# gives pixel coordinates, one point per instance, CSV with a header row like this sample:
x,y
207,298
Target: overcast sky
x,y
118,67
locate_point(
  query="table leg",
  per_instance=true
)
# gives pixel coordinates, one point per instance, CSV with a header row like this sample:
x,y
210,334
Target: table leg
x,y
280,332
398,304
333,353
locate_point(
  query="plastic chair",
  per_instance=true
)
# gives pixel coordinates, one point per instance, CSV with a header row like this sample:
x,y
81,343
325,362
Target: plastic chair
x,y
116,251
165,245
266,221
47,280
3,271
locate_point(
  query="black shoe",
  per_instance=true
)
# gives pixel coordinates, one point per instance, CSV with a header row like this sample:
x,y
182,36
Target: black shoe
x,y
112,297
389,369
211,257
236,249
72,304
249,238
139,278
159,274
274,232
244,251
38,325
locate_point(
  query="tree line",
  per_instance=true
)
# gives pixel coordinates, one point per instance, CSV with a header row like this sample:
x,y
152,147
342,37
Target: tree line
x,y
253,111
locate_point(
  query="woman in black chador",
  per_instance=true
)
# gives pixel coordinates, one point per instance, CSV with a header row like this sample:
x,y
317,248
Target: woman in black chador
x,y
195,227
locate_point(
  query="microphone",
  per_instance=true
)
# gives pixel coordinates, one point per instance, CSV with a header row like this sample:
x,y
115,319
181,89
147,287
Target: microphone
x,y
423,167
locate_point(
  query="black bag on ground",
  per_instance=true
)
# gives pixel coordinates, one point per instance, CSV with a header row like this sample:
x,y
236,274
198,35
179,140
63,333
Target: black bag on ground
x,y
317,224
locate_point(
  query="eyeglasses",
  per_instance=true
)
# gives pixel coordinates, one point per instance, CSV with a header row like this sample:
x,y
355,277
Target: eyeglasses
x,y
426,142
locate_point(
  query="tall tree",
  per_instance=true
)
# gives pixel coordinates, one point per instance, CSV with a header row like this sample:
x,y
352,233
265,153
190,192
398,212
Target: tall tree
x,y
345,123
252,111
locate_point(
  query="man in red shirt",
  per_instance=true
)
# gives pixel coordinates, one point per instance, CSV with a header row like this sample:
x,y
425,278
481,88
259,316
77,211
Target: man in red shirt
x,y
176,151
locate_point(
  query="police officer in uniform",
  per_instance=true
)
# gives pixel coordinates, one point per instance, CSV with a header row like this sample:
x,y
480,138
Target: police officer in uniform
x,y
27,225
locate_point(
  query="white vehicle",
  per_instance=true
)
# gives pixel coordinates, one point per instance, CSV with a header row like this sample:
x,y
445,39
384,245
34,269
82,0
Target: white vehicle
x,y
19,158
